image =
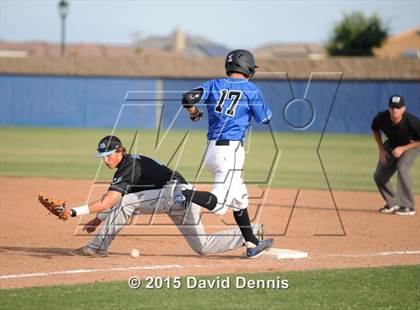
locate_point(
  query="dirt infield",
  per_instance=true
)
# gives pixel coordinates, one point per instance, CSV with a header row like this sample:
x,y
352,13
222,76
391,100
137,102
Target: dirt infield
x,y
34,247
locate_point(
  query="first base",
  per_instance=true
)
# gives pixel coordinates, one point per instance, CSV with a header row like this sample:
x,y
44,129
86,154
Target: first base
x,y
285,253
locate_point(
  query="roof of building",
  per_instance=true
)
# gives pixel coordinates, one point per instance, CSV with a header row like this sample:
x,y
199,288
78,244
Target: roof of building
x,y
45,49
177,66
289,50
196,46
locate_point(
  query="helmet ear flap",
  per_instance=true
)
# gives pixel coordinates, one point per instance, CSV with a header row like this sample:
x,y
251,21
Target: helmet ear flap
x,y
252,70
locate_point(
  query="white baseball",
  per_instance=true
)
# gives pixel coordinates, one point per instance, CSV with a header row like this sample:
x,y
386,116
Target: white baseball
x,y
134,253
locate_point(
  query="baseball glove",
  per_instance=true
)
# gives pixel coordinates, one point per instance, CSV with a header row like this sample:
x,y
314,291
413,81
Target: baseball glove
x,y
55,206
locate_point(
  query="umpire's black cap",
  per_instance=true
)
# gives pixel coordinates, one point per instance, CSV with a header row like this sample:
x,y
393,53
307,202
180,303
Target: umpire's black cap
x,y
108,145
396,101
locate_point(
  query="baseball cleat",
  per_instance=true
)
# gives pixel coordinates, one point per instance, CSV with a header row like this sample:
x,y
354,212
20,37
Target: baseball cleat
x,y
85,251
387,209
262,246
405,211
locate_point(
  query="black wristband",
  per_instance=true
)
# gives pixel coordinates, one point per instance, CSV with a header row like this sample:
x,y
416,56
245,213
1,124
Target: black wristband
x,y
72,213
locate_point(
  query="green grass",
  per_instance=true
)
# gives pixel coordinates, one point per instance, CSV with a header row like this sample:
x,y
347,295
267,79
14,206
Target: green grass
x,y
349,160
368,288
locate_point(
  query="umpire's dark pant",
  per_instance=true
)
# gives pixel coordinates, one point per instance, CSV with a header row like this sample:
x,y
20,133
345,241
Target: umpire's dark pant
x,y
384,172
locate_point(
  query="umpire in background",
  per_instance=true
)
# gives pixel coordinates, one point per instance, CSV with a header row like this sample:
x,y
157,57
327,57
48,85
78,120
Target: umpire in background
x,y
397,153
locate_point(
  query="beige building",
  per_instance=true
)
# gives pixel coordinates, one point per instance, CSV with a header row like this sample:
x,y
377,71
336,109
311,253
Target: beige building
x,y
295,50
177,44
406,44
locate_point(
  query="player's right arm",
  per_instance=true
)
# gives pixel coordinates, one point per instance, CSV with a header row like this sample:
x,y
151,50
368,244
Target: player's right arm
x,y
375,126
193,97
107,201
195,114
383,154
190,99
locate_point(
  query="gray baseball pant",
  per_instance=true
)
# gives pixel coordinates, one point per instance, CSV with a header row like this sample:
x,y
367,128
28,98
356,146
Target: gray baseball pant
x,y
384,172
187,220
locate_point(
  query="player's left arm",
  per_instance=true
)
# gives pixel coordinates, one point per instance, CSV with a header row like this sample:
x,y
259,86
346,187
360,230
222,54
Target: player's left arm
x,y
260,110
415,142
399,150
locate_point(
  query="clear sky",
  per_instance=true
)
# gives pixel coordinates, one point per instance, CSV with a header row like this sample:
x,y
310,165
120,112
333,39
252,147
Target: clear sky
x,y
246,24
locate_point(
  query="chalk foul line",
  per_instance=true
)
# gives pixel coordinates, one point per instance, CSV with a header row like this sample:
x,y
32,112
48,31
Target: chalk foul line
x,y
157,267
370,254
79,271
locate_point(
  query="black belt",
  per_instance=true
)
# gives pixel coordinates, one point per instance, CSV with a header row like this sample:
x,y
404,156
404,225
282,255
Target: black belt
x,y
227,142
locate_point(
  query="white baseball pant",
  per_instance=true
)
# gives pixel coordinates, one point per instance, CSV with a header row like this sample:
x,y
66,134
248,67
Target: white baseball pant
x,y
226,163
187,221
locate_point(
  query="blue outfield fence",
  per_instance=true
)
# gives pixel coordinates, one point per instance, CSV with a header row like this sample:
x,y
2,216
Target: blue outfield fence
x,y
355,104
54,101
61,101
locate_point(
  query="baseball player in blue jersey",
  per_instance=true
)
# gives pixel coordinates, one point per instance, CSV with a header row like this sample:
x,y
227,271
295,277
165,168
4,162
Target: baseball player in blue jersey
x,y
231,103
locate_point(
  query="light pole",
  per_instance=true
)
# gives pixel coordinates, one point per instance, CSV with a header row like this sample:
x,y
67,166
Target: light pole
x,y
63,9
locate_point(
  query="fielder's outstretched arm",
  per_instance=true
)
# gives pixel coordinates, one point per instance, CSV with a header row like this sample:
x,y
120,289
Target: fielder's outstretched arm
x,y
107,201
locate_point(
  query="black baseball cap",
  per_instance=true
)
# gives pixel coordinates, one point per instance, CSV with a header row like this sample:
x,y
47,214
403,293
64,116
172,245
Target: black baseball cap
x,y
108,145
396,101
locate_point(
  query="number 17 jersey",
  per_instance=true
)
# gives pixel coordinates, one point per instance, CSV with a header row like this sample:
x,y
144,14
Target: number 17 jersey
x,y
230,104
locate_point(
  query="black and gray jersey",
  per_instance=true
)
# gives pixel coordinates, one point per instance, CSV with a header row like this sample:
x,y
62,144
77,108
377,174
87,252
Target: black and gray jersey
x,y
137,173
